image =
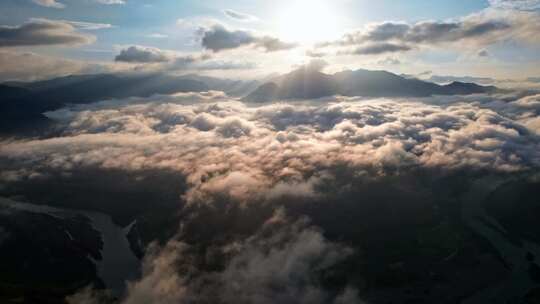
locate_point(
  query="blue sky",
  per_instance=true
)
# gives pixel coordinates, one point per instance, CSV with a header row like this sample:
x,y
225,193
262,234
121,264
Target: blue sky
x,y
178,26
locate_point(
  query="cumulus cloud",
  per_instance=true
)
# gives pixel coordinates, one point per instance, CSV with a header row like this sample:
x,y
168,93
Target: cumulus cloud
x,y
173,61
240,162
245,152
218,38
142,54
239,16
481,29
49,3
43,32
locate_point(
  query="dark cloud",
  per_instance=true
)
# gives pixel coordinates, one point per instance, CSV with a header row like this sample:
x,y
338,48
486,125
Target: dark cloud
x,y
277,264
380,48
170,60
423,32
218,38
42,32
483,53
272,44
480,29
143,55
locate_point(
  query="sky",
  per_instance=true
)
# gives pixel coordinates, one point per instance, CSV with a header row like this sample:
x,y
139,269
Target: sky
x,y
253,39
265,198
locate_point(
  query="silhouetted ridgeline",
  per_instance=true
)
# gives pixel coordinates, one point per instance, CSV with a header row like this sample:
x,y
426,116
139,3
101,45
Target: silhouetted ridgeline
x,y
306,83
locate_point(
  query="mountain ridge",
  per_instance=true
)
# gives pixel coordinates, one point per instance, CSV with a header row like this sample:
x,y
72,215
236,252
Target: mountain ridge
x,y
306,83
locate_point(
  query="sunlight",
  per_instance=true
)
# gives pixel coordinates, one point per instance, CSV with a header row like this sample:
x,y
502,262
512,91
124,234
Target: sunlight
x,y
308,21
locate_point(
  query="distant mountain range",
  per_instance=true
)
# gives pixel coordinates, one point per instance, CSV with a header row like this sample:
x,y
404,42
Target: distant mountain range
x,y
306,83
22,104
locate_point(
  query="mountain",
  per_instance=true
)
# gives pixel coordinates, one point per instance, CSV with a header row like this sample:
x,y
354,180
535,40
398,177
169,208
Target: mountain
x,y
8,92
22,103
305,83
231,87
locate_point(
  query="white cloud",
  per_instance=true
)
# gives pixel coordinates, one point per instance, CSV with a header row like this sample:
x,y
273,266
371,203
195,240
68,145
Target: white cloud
x,y
249,152
89,26
238,16
111,2
44,32
49,3
157,36
516,4
474,31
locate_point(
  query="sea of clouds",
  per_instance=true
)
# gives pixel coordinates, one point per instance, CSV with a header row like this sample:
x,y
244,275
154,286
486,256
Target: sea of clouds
x,y
273,157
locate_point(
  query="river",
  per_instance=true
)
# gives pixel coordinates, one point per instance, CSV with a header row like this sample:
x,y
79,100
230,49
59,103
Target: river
x,y
516,286
118,264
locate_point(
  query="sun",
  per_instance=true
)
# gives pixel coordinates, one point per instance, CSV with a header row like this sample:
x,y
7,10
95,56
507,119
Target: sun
x,y
308,21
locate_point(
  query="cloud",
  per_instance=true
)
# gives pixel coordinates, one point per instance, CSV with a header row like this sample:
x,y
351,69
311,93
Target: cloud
x,y
315,54
43,32
55,4
255,149
380,48
238,164
225,65
49,3
172,61
239,16
272,44
89,26
526,5
469,79
389,61
218,38
29,66
279,263
157,36
483,53
141,54
477,30
315,65
111,2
